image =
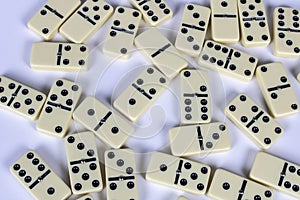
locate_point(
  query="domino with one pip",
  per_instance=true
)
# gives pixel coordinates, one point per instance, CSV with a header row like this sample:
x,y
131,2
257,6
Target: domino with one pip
x,y
51,16
199,139
57,112
192,30
64,57
20,98
277,89
123,29
85,21
252,120
160,51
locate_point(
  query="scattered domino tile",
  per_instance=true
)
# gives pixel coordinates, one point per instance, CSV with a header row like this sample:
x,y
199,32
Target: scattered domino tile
x,y
106,124
86,197
286,32
199,139
254,24
141,93
83,163
224,21
120,171
65,57
20,98
182,198
86,20
277,89
195,97
155,12
51,16
192,30
252,120
123,29
57,112
160,51
228,61
226,185
278,173
178,173
38,178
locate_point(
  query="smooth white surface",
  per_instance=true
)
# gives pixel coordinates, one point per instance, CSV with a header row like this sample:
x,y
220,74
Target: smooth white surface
x,y
106,79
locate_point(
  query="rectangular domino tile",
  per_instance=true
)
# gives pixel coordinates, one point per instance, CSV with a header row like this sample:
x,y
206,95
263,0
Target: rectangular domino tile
x,y
159,11
20,98
83,163
141,93
199,139
226,185
228,61
278,173
86,197
192,30
254,24
123,29
277,89
195,97
51,16
57,112
106,124
86,20
225,21
160,51
38,178
252,120
120,170
66,57
178,173
286,32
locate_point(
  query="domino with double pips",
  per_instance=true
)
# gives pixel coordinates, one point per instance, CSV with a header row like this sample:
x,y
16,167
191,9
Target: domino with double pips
x,y
61,57
121,174
286,32
103,122
228,61
194,97
254,24
277,89
161,52
57,112
252,120
83,163
224,21
155,12
86,197
277,173
178,173
141,93
123,29
38,178
86,20
192,30
51,16
226,185
21,99
199,139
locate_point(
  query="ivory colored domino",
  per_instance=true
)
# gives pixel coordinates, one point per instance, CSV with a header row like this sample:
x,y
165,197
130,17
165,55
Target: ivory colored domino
x,y
192,30
61,57
20,99
123,29
160,51
225,21
51,16
277,89
199,139
86,197
298,77
277,173
252,120
226,185
86,20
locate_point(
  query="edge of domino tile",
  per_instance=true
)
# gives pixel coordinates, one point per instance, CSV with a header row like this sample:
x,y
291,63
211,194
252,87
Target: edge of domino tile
x,y
298,77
